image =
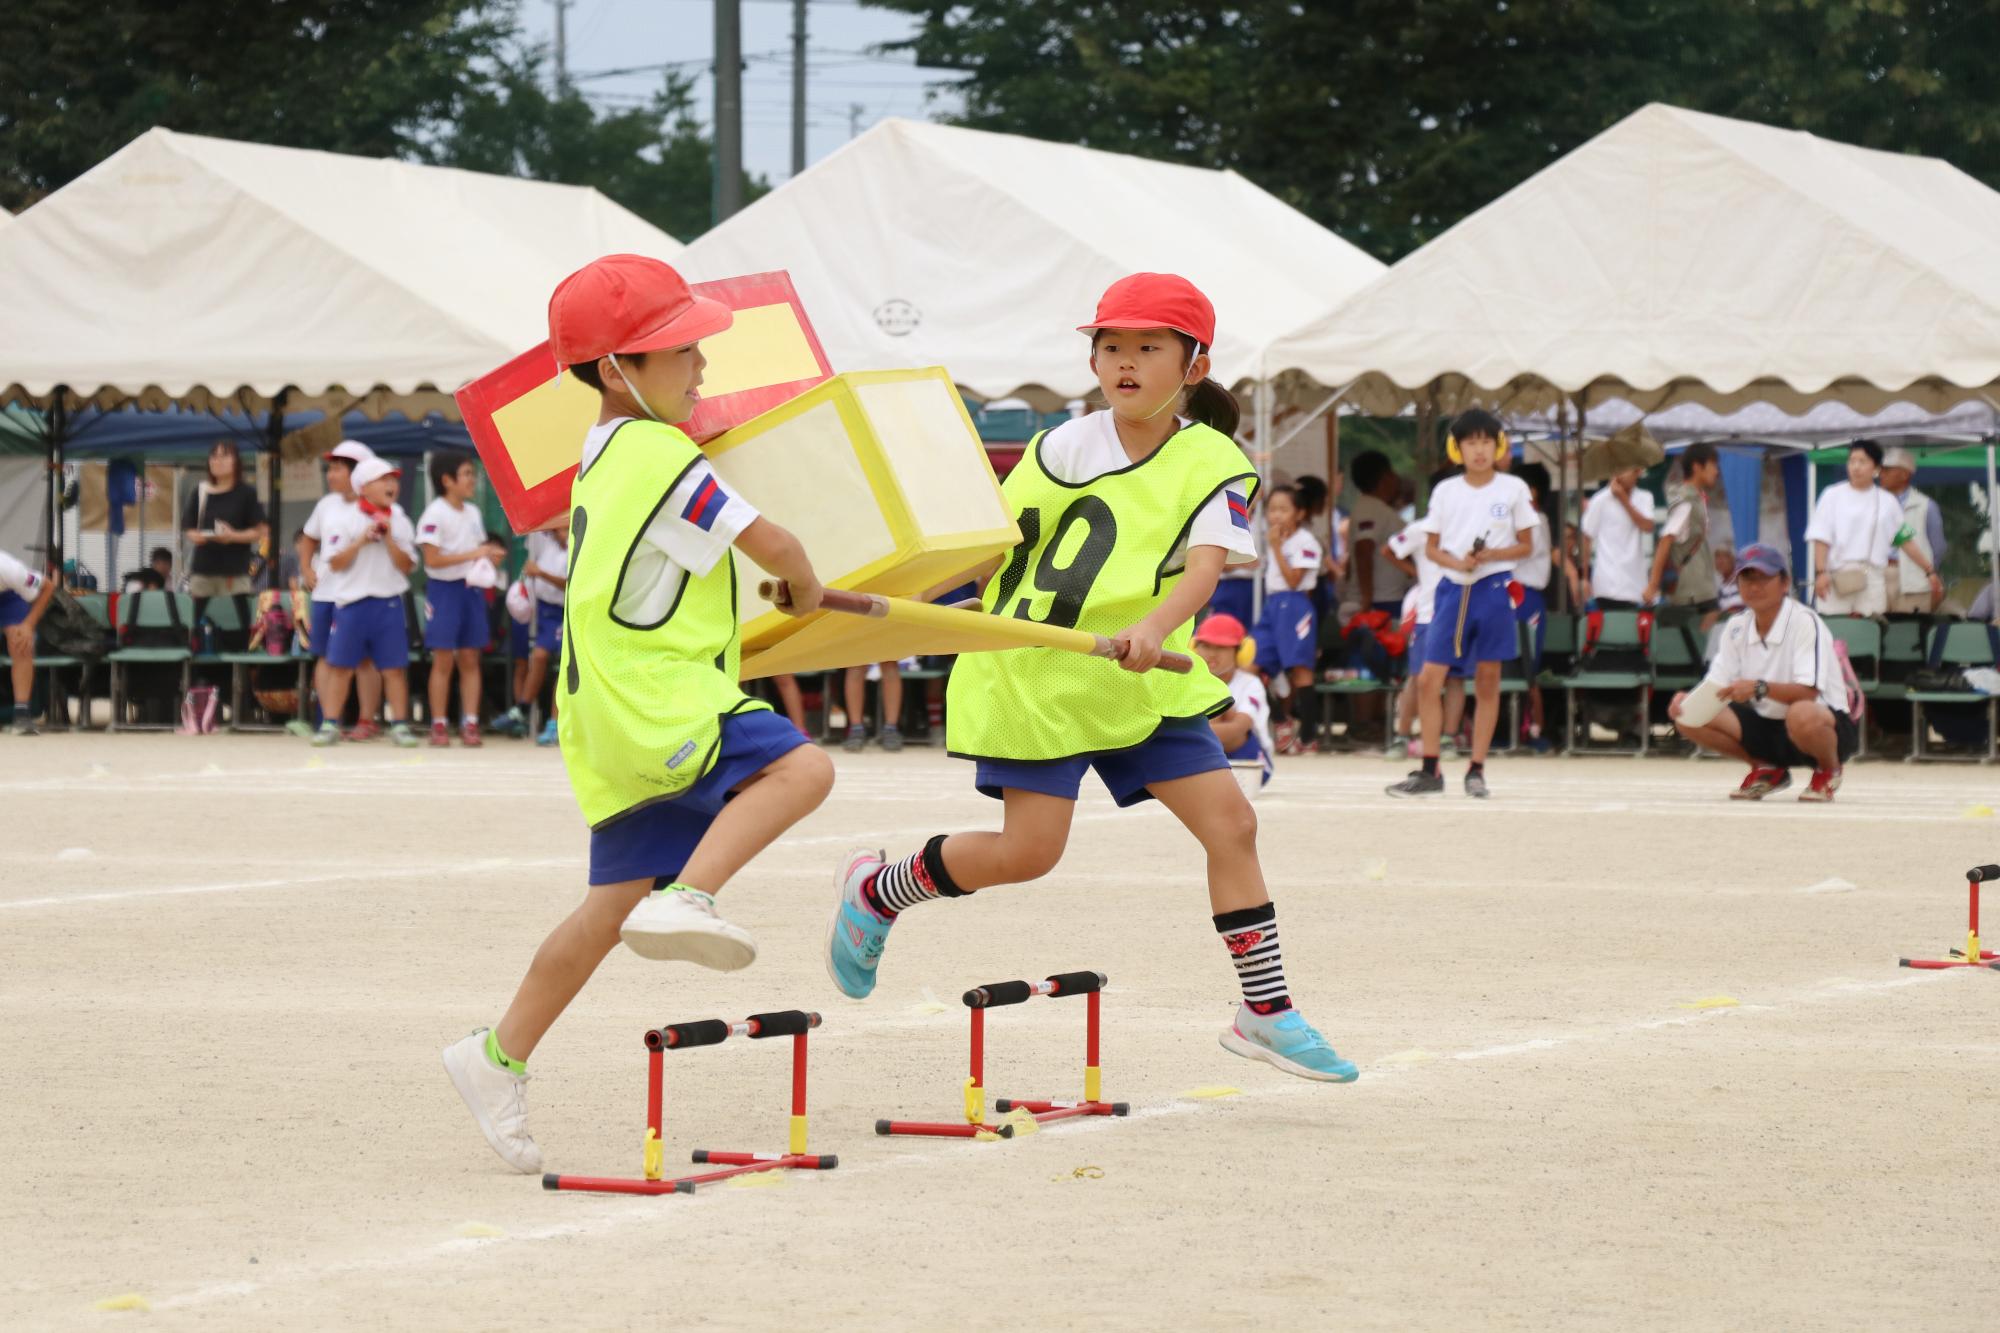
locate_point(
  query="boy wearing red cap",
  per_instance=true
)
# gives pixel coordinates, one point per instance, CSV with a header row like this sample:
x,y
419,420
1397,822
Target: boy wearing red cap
x,y
682,777
1245,730
1127,518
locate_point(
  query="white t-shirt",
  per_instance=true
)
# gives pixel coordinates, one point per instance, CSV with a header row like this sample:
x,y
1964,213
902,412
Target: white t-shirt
x,y
372,574
1413,543
547,553
697,525
1534,572
1799,651
1374,521
454,530
326,580
1301,550
1858,527
16,577
1083,449
1253,703
1499,511
1617,545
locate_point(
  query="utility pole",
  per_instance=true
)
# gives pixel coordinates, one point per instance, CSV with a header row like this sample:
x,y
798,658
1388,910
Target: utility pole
x,y
728,108
798,86
562,49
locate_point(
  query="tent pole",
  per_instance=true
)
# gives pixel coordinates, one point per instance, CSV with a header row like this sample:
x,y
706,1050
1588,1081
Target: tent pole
x,y
1992,520
275,432
58,432
1261,416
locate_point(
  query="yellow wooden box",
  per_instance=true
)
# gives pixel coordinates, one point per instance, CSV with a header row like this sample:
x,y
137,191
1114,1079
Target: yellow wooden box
x,y
883,478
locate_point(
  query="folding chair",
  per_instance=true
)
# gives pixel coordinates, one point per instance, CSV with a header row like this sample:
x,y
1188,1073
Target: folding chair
x,y
161,618
1616,632
1958,645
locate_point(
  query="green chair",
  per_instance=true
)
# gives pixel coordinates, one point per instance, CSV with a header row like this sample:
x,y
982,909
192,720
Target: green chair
x,y
1558,646
1675,652
223,613
1330,690
96,605
1862,636
1618,632
159,620
1956,645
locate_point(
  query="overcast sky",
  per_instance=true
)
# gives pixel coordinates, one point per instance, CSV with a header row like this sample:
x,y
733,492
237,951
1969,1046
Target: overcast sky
x,y
841,74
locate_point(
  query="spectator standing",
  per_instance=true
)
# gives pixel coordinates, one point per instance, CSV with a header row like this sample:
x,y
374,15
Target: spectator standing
x,y
325,584
547,576
1784,692
1378,584
224,521
1412,546
24,596
890,735
1911,590
1288,634
1616,524
375,548
1533,574
1684,541
1855,526
452,536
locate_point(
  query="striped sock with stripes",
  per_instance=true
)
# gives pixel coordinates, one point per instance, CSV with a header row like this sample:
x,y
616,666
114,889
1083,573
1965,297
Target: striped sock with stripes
x,y
1251,936
917,878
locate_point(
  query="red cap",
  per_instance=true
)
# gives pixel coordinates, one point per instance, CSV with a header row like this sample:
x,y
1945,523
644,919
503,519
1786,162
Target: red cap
x,y
1222,630
1155,301
628,303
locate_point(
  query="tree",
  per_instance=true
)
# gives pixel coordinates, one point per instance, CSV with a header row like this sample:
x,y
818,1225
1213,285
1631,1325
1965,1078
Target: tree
x,y
1388,120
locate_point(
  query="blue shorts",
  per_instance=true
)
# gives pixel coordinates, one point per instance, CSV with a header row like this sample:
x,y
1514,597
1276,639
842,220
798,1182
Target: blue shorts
x,y
14,609
1180,748
548,626
371,629
1489,634
1235,597
522,638
655,841
1252,748
320,627
454,616
1532,613
1288,635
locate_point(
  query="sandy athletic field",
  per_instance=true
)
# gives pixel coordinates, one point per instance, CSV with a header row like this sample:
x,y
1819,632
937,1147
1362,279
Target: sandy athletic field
x,y
227,967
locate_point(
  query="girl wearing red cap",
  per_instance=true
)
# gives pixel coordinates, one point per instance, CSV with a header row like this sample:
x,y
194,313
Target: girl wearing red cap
x,y
682,776
1127,518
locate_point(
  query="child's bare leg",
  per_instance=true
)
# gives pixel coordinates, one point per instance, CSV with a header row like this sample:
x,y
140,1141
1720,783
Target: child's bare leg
x,y
369,682
1454,704
396,684
765,806
564,962
1486,685
468,684
1030,842
1430,705
21,659
793,699
531,688
892,695
333,699
1212,807
441,665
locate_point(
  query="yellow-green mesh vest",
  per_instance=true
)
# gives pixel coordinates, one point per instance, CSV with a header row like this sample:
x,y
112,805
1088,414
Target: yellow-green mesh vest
x,y
1097,556
640,706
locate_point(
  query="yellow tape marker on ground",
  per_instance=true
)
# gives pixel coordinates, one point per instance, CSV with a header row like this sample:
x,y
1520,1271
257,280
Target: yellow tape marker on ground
x,y
479,1231
1208,1092
1024,1122
1711,1002
1978,812
129,1301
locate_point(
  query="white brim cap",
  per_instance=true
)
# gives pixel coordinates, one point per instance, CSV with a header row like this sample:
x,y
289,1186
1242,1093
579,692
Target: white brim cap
x,y
354,451
374,469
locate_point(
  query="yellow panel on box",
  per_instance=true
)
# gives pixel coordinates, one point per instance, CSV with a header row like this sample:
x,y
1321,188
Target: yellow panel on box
x,y
883,478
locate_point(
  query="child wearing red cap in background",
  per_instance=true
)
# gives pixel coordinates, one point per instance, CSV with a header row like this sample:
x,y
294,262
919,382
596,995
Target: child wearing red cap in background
x,y
1245,730
1127,519
682,777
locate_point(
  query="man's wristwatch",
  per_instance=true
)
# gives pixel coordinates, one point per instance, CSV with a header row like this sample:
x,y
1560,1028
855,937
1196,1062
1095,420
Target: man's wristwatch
x,y
1762,692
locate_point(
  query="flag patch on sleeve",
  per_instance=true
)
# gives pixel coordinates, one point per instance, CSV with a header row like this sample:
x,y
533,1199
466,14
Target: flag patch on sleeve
x,y
706,504
1239,509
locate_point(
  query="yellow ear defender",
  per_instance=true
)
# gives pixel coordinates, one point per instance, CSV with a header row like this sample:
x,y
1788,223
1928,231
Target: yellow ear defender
x,y
1456,455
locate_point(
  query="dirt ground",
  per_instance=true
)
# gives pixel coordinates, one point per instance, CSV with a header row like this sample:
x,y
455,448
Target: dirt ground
x,y
1633,1056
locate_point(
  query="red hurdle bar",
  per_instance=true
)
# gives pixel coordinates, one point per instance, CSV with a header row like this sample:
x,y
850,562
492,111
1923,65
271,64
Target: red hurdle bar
x,y
978,1000
1972,955
793,1023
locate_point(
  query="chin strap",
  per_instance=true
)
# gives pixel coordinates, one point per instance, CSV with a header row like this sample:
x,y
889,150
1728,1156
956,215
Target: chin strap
x,y
633,389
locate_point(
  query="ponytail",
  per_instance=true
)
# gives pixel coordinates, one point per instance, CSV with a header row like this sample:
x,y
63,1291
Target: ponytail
x,y
1214,406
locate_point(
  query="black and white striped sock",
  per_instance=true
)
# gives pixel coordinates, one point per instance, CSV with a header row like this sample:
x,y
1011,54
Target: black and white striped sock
x,y
918,877
1252,939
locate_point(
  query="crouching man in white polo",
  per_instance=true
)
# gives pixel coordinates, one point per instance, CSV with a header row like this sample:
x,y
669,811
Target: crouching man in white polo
x,y
1775,696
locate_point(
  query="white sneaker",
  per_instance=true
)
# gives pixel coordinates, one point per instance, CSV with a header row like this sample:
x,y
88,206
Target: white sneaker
x,y
496,1100
681,925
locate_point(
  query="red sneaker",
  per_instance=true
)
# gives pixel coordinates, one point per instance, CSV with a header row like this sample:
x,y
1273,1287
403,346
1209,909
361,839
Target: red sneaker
x,y
1761,783
363,731
1825,782
468,735
440,734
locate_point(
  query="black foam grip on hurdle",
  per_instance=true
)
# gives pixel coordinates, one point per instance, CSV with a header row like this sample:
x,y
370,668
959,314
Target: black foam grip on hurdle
x,y
1981,874
1078,983
784,1023
704,1032
997,994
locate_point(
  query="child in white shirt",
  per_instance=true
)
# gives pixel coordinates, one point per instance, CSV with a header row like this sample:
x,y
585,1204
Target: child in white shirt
x,y
452,536
1288,634
373,548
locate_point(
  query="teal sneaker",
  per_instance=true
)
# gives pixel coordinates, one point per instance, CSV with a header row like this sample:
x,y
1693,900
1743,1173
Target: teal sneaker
x,y
1289,1042
328,734
548,736
855,936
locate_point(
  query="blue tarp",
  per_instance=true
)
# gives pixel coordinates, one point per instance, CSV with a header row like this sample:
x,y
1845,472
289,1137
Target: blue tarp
x,y
163,435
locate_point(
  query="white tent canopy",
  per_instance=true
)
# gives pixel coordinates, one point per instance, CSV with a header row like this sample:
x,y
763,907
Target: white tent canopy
x,y
1825,423
207,271
1687,257
920,244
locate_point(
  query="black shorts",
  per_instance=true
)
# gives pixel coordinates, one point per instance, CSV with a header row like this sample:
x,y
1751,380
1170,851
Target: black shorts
x,y
1766,740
